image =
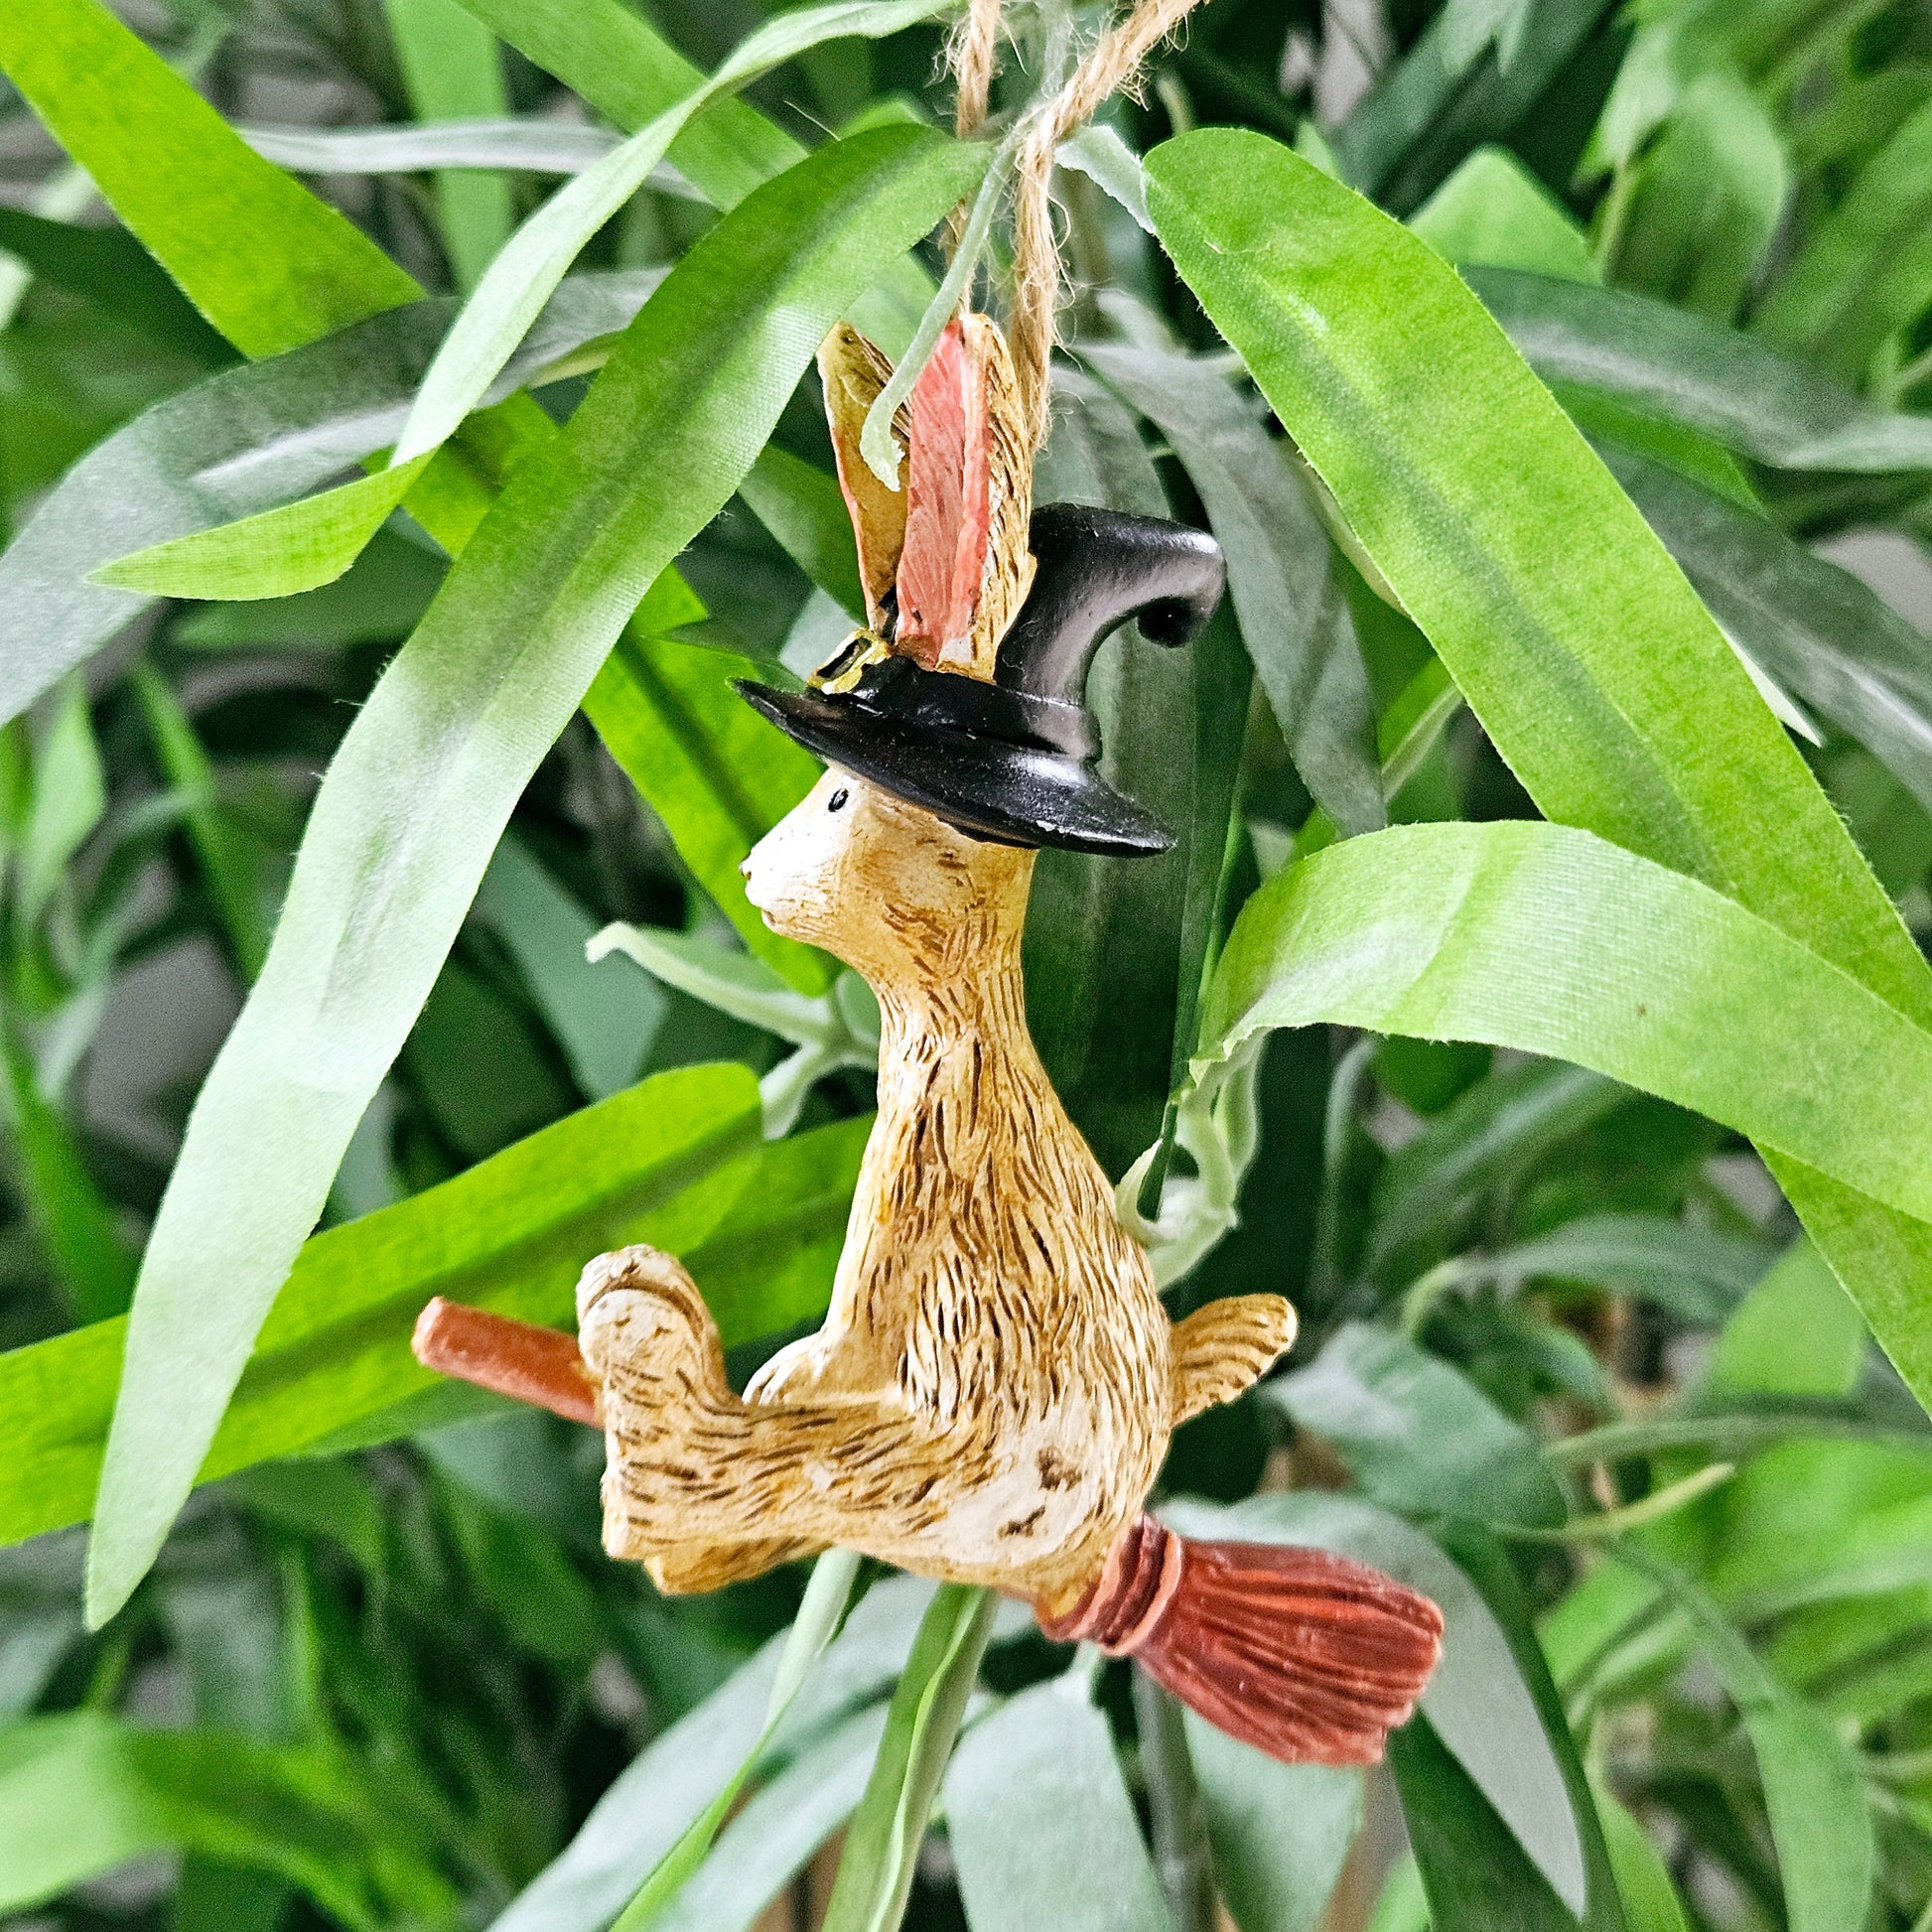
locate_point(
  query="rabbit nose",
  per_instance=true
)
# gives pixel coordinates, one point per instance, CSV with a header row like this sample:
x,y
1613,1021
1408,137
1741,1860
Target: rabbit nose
x,y
744,868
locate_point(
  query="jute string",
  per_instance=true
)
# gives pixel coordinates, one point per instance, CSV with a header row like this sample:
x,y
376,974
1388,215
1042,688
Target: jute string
x,y
1111,64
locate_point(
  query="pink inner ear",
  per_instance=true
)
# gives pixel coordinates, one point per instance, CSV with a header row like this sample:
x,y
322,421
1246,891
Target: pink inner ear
x,y
948,504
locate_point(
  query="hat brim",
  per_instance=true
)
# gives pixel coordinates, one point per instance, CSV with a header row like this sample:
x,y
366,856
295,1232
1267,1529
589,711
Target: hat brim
x,y
1017,793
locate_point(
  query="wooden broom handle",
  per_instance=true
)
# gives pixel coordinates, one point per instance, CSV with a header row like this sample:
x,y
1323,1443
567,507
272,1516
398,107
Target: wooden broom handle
x,y
513,1358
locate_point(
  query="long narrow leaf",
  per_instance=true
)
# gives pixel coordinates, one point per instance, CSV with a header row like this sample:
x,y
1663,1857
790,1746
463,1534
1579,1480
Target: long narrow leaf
x,y
1493,932
876,1869
1601,681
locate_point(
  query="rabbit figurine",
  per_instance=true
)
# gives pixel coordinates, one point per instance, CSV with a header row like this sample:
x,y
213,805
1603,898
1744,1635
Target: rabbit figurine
x,y
992,1394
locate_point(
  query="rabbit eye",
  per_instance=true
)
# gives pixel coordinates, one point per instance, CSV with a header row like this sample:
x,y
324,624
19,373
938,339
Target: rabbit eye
x,y
837,800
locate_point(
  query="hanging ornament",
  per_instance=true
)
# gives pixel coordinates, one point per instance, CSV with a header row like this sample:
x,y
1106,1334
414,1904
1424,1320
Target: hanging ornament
x,y
993,1392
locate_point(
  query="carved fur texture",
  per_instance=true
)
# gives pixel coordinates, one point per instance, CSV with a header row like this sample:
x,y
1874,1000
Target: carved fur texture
x,y
993,1390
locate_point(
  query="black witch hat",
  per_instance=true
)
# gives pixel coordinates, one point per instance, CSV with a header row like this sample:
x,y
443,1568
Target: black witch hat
x,y
1014,760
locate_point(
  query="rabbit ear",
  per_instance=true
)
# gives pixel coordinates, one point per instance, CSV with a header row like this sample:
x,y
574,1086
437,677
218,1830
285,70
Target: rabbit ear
x,y
854,373
965,568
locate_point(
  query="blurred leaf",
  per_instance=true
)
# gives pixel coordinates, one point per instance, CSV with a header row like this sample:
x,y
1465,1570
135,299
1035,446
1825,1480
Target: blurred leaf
x,y
1812,1789
533,145
1477,1702
1426,110
452,69
384,878
1795,1333
1811,624
1698,1273
1866,270
67,797
1482,932
1667,362
803,509
1279,1833
224,855
92,1260
1643,1880
711,768
109,268
241,441
603,1022
779,1830
1104,936
1041,1824
1277,571
1493,212
875,1874
177,177
1706,200
818,1622
1418,1435
1494,1131
1603,684
666,1786
81,1794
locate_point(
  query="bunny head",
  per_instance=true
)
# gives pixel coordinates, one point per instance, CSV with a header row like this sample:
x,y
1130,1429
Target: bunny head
x,y
884,885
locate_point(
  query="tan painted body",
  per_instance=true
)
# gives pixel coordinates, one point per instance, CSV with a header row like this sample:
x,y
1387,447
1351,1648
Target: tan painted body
x,y
991,1392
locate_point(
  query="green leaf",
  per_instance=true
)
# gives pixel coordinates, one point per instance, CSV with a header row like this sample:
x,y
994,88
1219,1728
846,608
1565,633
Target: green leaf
x,y
1277,571
653,1801
452,69
519,281
1037,1814
69,796
1477,1702
188,187
1820,1821
81,1794
801,505
1279,1833
275,553
875,1876
419,792
626,71
818,1622
1866,270
671,1154
1706,200
1665,361
1643,1880
603,1022
771,1839
1813,626
241,441
1486,932
108,267
1582,651
1493,212
533,145
1698,1273
711,768
1418,1435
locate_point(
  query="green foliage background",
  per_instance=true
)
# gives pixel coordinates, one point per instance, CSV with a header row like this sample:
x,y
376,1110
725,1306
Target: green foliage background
x,y
1537,992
